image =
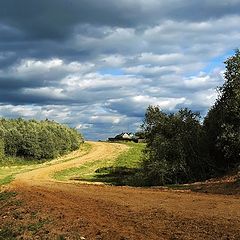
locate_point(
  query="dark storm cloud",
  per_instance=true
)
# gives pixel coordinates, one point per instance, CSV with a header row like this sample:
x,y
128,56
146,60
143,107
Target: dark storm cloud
x,y
41,29
15,83
57,18
97,65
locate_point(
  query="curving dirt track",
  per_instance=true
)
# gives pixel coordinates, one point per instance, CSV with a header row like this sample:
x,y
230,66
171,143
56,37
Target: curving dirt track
x,y
43,176
80,211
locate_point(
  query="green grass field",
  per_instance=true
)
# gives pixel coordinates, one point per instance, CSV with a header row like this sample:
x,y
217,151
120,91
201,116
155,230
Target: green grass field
x,y
114,171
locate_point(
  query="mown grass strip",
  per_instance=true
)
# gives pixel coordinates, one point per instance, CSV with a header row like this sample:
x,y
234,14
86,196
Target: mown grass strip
x,y
6,180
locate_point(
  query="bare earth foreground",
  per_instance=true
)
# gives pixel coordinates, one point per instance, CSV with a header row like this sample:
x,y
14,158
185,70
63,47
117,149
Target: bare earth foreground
x,y
70,210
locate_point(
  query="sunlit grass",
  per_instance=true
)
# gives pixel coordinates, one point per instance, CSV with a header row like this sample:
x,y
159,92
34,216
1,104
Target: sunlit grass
x,y
98,171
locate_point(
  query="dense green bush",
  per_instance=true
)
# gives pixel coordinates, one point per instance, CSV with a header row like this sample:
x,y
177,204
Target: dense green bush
x,y
36,139
2,152
175,150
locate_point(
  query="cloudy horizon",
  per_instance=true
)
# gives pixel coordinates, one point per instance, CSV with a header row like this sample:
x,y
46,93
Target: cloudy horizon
x,y
97,65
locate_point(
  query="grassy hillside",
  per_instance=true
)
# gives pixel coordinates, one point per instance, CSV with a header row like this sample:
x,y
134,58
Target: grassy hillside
x,y
114,171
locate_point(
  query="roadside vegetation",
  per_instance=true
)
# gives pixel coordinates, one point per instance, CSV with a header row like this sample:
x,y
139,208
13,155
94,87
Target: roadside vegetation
x,y
22,140
26,145
181,148
117,171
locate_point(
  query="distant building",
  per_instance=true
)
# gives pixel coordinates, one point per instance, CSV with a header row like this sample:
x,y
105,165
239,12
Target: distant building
x,y
126,137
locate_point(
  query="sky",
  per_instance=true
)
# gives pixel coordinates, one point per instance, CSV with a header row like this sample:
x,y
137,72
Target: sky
x,y
97,65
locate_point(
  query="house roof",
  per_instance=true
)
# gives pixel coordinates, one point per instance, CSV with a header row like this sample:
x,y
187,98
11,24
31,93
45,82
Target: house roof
x,y
125,136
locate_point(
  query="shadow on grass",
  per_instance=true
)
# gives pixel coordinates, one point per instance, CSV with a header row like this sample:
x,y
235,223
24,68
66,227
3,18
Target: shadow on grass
x,y
122,176
117,176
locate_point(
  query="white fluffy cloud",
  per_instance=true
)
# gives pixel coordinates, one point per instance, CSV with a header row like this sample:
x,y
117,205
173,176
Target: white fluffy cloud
x,y
99,69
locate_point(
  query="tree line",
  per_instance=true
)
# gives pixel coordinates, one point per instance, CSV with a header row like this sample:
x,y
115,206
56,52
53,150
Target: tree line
x,y
181,148
36,139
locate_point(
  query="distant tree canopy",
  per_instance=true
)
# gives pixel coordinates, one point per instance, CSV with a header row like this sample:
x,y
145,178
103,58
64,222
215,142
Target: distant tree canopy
x,y
36,139
182,149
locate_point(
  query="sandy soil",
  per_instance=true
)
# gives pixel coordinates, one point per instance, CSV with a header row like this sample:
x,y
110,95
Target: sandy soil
x,y
80,211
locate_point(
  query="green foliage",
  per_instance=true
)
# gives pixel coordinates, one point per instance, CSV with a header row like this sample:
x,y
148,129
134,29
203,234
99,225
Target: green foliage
x,y
140,134
222,123
2,152
175,150
36,139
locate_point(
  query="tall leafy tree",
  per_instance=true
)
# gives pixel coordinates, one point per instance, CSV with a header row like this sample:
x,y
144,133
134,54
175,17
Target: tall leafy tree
x,y
174,151
222,123
2,151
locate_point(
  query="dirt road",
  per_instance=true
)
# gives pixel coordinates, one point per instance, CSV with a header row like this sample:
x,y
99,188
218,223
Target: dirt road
x,y
43,176
78,211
